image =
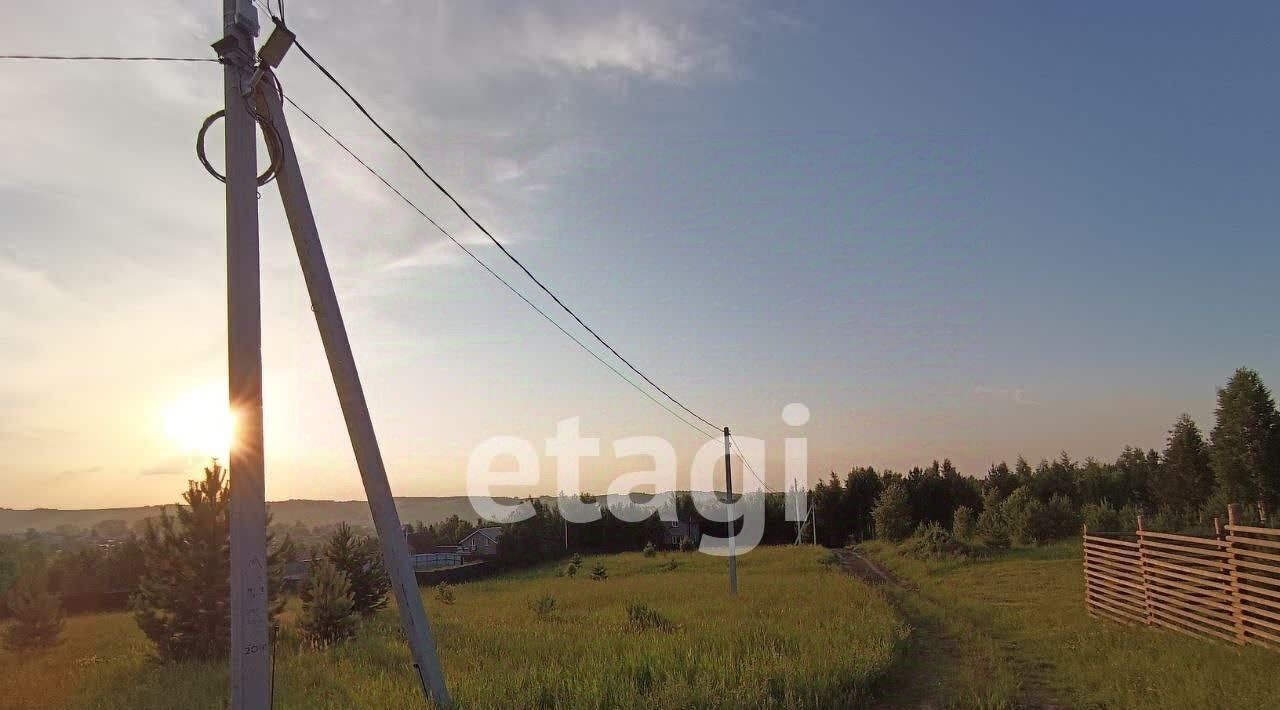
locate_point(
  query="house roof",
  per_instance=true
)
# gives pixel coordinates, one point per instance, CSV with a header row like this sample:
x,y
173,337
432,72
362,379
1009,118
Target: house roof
x,y
491,533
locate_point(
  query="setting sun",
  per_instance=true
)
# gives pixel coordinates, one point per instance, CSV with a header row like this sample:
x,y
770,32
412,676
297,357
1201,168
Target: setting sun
x,y
200,422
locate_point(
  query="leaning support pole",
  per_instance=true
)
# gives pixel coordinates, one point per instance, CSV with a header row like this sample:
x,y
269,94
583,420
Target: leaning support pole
x,y
728,492
250,643
355,410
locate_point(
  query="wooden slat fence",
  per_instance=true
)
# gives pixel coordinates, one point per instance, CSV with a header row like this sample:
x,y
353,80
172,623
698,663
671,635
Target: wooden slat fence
x,y
1225,587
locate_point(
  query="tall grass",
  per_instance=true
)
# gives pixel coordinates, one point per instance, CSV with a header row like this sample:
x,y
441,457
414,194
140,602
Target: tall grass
x,y
796,636
1021,614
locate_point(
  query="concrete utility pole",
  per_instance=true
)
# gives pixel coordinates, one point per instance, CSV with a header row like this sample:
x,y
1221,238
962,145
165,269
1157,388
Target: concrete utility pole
x,y
355,410
250,642
728,489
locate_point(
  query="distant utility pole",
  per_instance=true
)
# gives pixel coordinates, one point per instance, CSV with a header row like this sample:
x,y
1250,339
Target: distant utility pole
x,y
250,642
728,490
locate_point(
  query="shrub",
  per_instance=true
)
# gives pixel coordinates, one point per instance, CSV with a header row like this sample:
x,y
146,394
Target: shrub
x,y
1022,512
328,609
444,592
963,523
360,559
993,529
934,542
571,569
643,618
650,550
576,560
1100,517
686,545
669,566
37,614
599,573
543,607
1061,519
892,514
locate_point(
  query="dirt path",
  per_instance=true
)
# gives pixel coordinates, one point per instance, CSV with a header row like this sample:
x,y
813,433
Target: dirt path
x,y
919,681
930,675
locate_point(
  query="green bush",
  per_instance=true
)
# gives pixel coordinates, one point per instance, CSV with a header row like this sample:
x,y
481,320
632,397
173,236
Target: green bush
x,y
1062,519
37,614
934,542
1101,517
599,573
571,569
669,566
892,514
444,592
328,609
686,545
650,550
963,523
644,618
543,607
1032,522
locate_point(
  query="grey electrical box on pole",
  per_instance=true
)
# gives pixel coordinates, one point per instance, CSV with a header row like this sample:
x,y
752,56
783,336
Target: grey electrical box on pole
x,y
250,641
355,410
728,492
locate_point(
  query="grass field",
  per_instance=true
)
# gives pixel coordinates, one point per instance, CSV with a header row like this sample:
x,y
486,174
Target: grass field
x,y
1018,625
798,635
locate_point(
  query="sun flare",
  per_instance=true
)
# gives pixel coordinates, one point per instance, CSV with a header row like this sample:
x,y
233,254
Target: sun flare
x,y
201,422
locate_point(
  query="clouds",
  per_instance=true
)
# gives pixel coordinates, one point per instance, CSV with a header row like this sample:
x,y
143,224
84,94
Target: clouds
x,y
111,270
1016,395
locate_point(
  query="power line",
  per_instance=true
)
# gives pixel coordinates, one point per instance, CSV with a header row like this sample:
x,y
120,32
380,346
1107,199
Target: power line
x,y
747,464
460,245
87,58
487,268
359,106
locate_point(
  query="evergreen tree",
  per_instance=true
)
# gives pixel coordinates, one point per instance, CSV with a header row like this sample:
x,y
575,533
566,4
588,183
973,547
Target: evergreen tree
x,y
359,558
1245,440
892,513
37,614
328,607
183,602
1001,480
1184,478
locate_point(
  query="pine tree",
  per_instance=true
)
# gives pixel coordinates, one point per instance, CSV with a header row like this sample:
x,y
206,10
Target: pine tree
x,y
1184,478
360,559
328,608
183,602
1246,440
37,614
892,513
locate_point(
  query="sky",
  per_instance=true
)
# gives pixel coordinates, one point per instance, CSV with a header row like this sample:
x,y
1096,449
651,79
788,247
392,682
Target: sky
x,y
970,231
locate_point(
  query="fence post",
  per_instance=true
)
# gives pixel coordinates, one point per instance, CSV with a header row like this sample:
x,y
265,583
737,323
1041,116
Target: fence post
x,y
1142,566
1084,556
1237,606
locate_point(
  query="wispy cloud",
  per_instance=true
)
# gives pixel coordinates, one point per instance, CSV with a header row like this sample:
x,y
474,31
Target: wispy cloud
x,y
73,473
1017,395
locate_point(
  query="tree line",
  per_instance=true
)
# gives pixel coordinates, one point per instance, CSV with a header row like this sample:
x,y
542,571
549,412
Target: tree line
x,y
176,581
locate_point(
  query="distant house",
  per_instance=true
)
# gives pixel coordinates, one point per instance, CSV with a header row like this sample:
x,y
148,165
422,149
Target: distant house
x,y
296,574
441,556
673,531
482,542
